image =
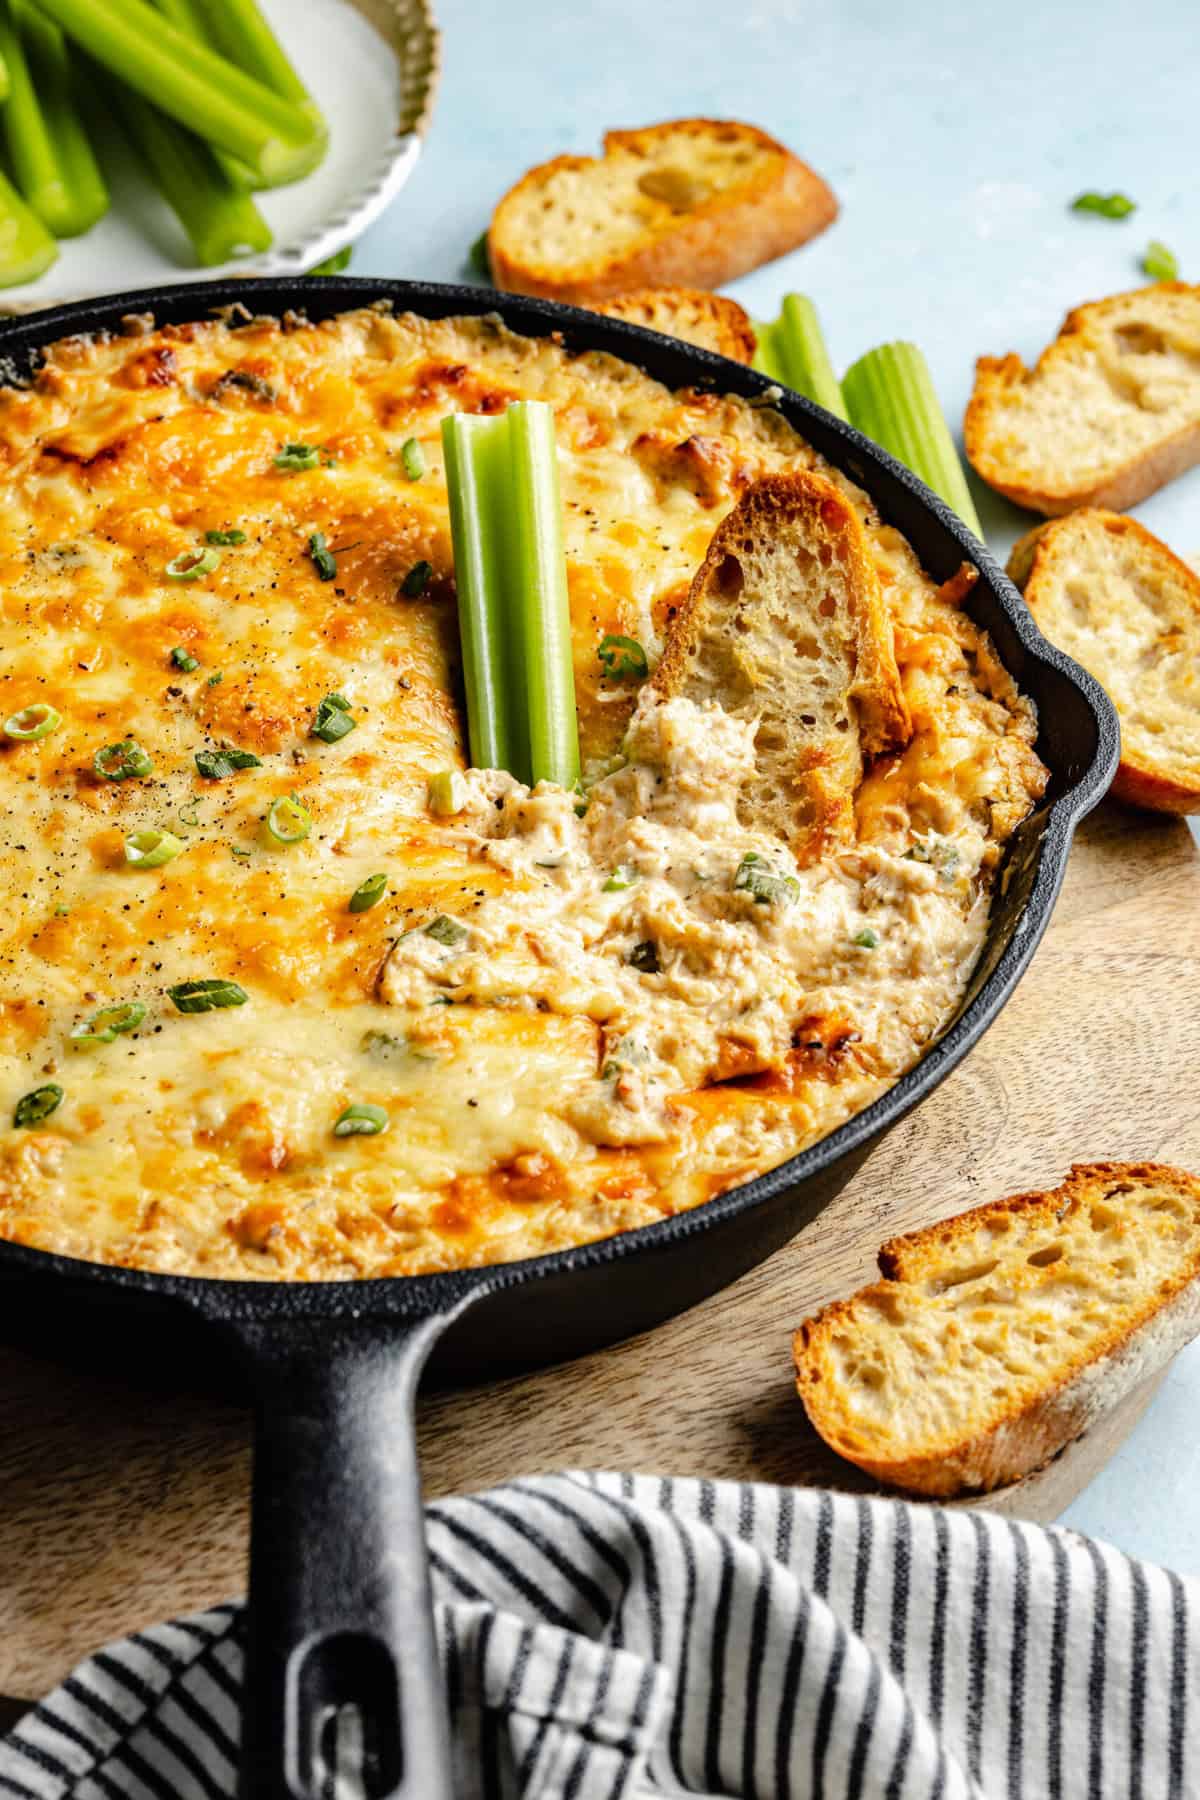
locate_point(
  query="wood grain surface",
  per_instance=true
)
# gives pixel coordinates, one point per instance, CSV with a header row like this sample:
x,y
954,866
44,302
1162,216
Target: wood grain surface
x,y
121,1505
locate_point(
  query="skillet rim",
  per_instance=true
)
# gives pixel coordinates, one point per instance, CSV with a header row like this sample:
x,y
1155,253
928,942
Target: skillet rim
x,y
412,1298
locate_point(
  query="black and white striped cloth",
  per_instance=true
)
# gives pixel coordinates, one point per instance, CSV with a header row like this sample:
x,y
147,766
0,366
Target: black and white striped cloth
x,y
615,1637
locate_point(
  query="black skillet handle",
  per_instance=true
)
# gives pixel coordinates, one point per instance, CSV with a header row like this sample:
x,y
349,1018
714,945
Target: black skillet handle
x,y
342,1667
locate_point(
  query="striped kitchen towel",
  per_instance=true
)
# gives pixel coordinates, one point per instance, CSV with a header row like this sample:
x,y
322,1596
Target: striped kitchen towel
x,y
615,1637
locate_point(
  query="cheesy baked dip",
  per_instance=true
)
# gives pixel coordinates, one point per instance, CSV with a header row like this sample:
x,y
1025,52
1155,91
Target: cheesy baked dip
x,y
263,1012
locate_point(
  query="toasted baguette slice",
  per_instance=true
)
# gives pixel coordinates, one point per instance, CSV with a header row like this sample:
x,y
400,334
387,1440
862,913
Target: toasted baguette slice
x,y
785,623
1110,413
712,321
1111,595
997,1337
691,203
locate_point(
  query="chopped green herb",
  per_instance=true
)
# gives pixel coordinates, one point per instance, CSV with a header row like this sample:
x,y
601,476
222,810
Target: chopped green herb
x,y
32,723
413,458
368,892
866,939
417,580
233,536
183,659
288,822
622,656
1160,263
447,795
446,930
619,880
361,1120
191,817
323,560
764,884
32,1108
216,679
333,720
1109,206
120,762
478,257
644,956
105,1026
192,564
205,996
215,765
151,849
294,458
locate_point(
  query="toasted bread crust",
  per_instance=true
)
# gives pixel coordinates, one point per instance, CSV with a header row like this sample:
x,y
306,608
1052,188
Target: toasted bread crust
x,y
711,321
733,230
1027,1433
816,779
1140,780
1120,486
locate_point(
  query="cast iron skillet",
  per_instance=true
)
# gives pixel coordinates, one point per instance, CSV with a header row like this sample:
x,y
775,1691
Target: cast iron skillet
x,y
339,1588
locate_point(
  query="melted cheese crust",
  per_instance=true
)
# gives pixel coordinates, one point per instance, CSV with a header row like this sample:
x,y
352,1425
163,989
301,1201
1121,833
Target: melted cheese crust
x,y
520,1118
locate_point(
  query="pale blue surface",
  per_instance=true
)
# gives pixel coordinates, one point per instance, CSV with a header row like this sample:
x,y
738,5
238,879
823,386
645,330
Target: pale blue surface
x,y
955,137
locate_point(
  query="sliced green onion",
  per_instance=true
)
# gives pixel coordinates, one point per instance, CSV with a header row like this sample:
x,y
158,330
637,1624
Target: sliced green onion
x,y
361,1120
287,821
26,248
296,457
151,849
514,615
206,996
448,931
792,351
619,880
892,400
413,458
447,794
323,560
183,659
368,892
49,149
105,1026
32,1108
333,719
216,678
866,939
215,765
417,580
1109,206
622,656
765,885
240,852
1160,263
32,722
194,85
192,564
123,761
233,536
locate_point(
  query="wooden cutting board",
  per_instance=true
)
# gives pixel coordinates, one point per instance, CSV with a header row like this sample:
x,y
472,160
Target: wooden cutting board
x,y
119,1507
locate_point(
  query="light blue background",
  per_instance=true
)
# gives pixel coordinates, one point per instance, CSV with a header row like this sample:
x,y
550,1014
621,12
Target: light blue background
x,y
955,137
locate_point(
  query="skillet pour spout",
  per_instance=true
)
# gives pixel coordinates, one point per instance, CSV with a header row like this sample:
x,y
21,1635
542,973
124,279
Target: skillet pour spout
x,y
342,1667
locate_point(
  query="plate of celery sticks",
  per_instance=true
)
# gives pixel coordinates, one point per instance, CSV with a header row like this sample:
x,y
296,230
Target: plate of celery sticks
x,y
173,140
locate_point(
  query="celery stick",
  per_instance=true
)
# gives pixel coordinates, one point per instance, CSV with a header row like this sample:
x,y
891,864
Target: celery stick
x,y
26,247
472,491
510,568
4,80
48,148
544,608
185,15
220,218
891,397
791,350
191,83
766,354
238,30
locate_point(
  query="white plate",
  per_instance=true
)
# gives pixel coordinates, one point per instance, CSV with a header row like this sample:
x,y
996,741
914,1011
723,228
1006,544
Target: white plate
x,y
372,66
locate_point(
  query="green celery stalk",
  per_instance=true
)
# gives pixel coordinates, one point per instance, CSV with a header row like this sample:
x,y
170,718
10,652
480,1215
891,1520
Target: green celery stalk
x,y
514,613
791,350
26,247
238,30
219,217
5,82
185,15
48,148
892,400
190,83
